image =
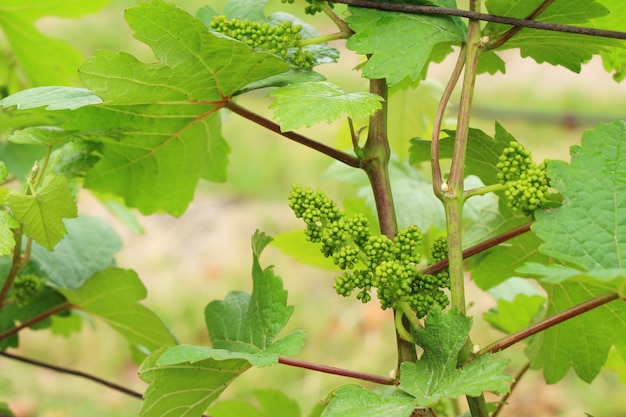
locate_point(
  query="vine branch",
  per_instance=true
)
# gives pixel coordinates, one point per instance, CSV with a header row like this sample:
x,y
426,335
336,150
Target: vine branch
x,y
557,318
340,156
36,319
68,371
480,247
496,43
364,376
446,11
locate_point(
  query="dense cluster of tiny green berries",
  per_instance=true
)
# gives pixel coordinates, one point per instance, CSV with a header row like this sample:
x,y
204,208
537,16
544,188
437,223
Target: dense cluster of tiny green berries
x,y
371,261
282,40
313,6
527,183
24,287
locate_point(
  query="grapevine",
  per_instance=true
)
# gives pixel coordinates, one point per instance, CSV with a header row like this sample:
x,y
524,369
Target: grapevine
x,y
282,40
526,182
372,261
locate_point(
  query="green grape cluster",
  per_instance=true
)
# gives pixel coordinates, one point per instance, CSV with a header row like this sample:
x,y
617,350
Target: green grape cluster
x,y
282,40
527,182
25,287
313,6
370,261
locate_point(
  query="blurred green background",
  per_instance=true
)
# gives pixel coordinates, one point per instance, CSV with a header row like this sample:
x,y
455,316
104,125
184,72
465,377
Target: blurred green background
x,y
188,261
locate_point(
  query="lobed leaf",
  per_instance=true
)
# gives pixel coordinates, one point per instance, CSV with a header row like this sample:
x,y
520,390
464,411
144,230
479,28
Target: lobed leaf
x,y
546,46
45,61
242,328
7,238
88,248
42,213
306,104
400,44
435,376
581,343
356,401
113,295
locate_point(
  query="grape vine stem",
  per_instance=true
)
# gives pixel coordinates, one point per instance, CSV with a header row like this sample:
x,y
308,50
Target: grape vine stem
x,y
363,376
38,318
340,156
446,11
480,247
551,321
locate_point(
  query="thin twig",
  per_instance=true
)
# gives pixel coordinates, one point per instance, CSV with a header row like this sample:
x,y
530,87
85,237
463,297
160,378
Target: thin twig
x,y
434,10
504,399
480,247
498,42
553,320
340,156
441,109
364,376
38,318
68,371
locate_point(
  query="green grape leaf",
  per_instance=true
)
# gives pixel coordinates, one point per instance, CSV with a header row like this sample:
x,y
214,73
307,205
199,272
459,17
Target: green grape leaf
x,y
483,152
185,389
7,239
613,59
51,98
50,136
249,323
356,401
43,212
582,342
306,104
434,376
590,228
503,261
45,61
242,329
245,9
271,403
546,46
89,247
167,110
613,279
292,76
113,295
400,44
511,316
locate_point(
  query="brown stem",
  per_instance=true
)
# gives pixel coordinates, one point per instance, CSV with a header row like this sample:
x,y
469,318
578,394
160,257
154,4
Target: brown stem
x,y
73,372
446,11
557,318
480,247
514,30
375,162
364,376
36,319
340,156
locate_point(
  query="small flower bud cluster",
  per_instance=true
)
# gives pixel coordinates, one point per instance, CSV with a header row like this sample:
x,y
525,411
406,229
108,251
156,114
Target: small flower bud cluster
x,y
371,261
282,40
25,287
527,182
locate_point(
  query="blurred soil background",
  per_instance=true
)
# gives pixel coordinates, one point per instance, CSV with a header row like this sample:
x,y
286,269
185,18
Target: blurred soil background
x,y
189,261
